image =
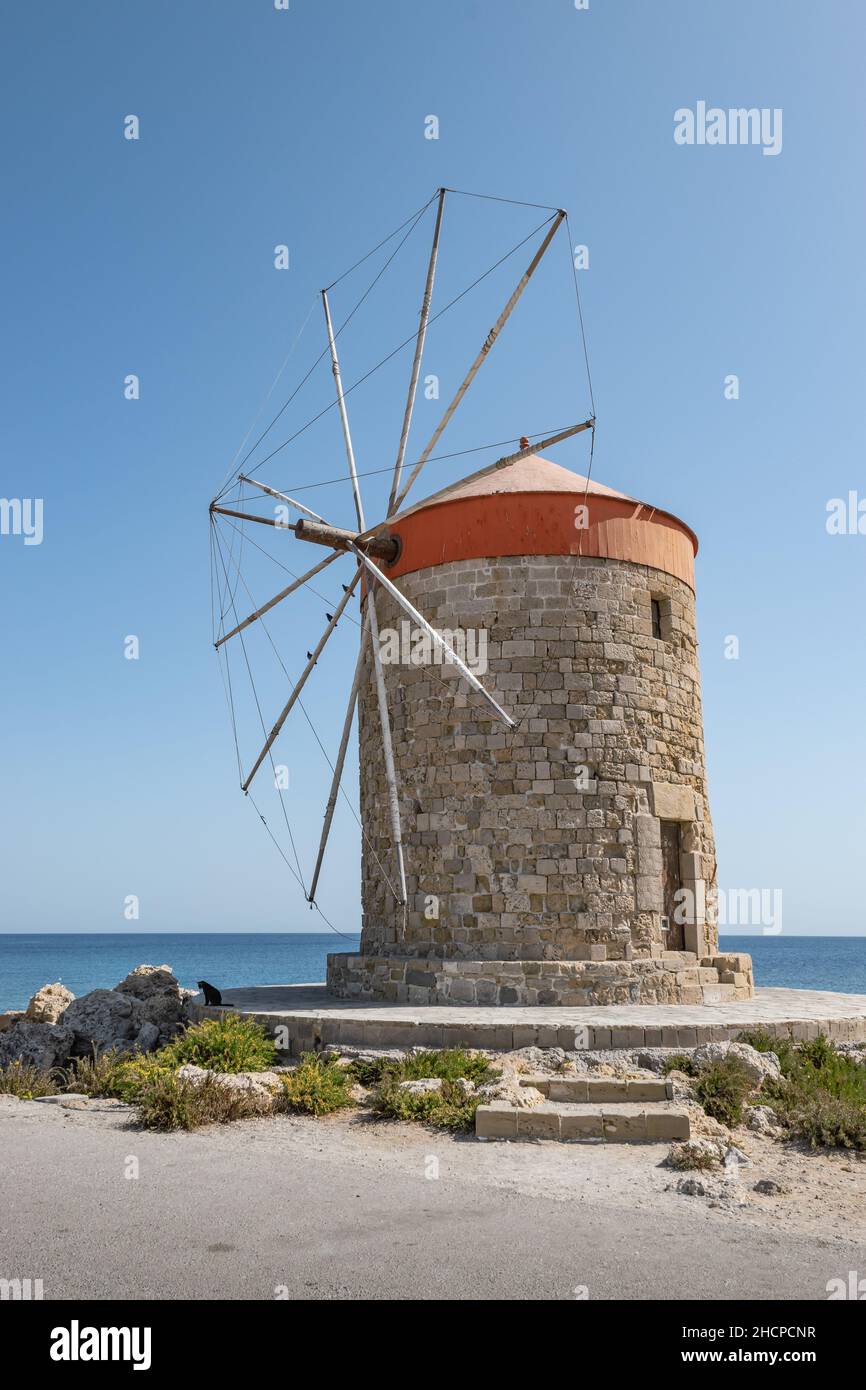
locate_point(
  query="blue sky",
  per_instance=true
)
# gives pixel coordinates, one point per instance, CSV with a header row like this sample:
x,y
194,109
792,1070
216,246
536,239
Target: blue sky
x,y
306,128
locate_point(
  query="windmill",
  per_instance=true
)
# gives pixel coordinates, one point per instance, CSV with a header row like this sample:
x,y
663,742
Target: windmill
x,y
369,549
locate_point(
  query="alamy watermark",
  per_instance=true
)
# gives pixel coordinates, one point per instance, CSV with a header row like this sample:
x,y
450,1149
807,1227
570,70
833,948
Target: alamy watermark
x,y
846,516
713,125
730,907
414,646
22,516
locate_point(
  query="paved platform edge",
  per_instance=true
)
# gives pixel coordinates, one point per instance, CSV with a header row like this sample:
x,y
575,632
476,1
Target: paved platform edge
x,y
842,1018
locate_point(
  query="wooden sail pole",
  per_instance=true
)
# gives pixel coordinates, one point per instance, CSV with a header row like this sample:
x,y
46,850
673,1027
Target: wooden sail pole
x,y
383,546
283,496
419,351
338,765
344,419
384,717
387,745
278,598
434,636
485,349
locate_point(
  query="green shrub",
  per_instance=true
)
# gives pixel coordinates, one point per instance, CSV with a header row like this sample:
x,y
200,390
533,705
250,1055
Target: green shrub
x,y
165,1102
101,1074
26,1082
135,1074
821,1097
758,1038
680,1062
229,1044
762,1041
824,1120
317,1086
369,1071
722,1087
449,1107
449,1064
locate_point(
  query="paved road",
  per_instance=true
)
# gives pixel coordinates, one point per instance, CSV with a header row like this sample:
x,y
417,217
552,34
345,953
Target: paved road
x,y
238,1212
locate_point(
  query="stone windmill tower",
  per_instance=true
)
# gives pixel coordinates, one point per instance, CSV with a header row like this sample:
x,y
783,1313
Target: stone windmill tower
x,y
541,836
567,860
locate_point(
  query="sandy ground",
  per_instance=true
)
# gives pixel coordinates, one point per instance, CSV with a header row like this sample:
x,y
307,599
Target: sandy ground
x,y
345,1207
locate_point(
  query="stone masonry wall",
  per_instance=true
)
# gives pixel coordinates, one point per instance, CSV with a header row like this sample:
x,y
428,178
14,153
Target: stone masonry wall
x,y
519,864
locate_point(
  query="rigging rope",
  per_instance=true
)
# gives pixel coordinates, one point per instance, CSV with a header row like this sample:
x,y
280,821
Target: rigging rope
x,y
306,585
315,733
267,396
434,458
387,358
340,330
264,730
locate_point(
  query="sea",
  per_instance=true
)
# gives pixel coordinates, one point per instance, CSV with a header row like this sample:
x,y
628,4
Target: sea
x,y
227,959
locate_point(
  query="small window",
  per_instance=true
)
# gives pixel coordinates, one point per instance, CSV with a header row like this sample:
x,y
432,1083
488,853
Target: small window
x,y
656,609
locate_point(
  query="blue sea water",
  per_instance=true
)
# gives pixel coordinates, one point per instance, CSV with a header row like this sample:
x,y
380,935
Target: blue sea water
x,y
100,961
94,961
804,962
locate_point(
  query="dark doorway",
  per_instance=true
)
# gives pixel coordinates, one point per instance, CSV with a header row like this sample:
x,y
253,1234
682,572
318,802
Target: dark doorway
x,y
674,935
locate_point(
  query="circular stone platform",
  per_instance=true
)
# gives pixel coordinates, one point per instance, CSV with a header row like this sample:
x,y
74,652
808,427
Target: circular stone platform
x,y
311,1019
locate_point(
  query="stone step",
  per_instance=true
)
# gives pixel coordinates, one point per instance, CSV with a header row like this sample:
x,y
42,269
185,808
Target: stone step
x,y
600,1088
611,1123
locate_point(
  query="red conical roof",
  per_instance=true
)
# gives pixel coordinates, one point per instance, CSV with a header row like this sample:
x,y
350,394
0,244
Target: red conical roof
x,y
530,474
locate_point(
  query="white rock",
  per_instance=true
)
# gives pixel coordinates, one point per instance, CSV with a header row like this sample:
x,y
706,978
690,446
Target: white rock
x,y
735,1159
508,1088
61,1099
761,1066
761,1119
261,1084
420,1088
48,1003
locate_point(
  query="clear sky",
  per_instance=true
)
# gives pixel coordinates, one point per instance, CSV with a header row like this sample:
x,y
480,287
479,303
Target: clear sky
x,y
306,127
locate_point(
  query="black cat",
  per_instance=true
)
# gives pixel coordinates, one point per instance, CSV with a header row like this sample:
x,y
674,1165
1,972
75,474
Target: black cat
x,y
211,993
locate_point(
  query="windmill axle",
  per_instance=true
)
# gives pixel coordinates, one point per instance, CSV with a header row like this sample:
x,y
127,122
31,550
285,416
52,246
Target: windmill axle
x,y
380,547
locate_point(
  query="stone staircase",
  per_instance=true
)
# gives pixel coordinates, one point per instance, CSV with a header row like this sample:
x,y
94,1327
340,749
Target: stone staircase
x,y
604,1109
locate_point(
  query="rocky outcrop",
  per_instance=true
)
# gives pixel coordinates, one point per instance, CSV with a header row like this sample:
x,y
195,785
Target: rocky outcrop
x,y
145,981
104,1019
159,996
48,1003
145,1010
42,1045
9,1018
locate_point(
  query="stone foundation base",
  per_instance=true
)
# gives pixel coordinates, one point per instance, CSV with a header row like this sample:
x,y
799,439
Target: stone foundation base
x,y
676,977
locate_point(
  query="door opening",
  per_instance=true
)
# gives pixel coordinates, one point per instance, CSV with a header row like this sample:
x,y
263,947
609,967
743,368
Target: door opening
x,y
672,930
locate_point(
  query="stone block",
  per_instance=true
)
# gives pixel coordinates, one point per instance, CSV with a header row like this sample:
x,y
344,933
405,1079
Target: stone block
x,y
646,1090
624,1123
605,1088
672,802
541,1122
572,1089
496,1121
583,1124
667,1124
